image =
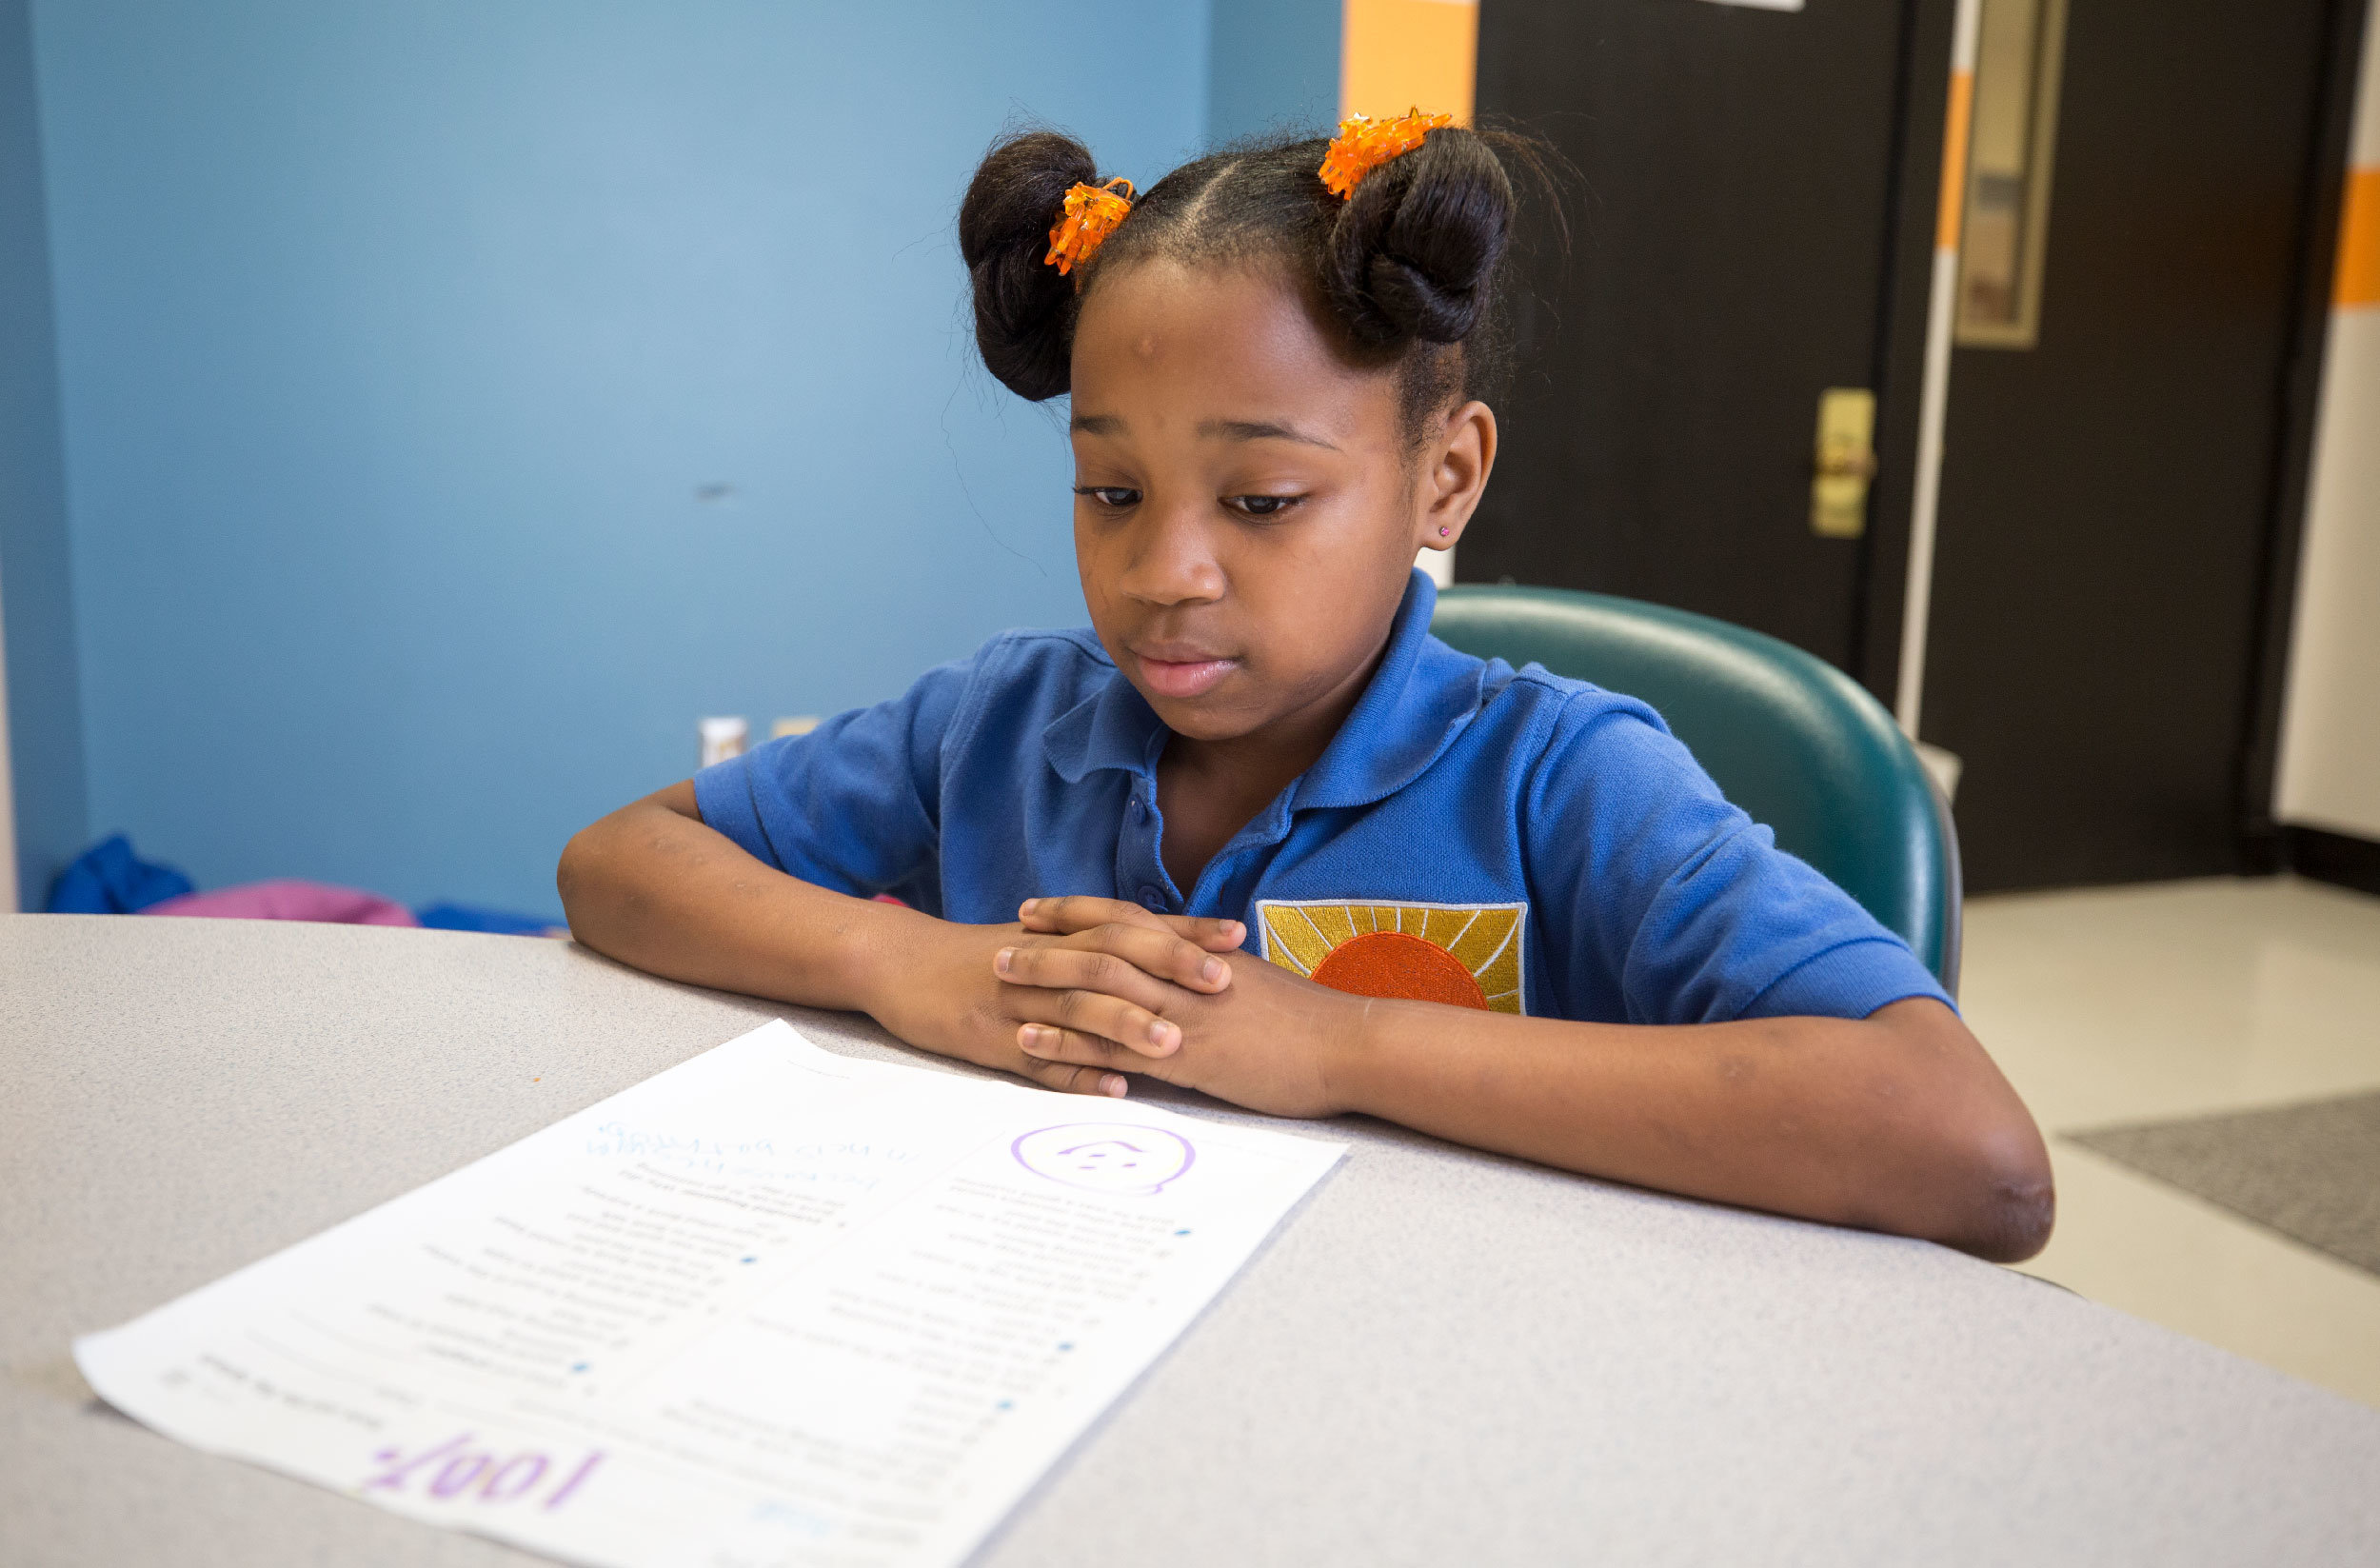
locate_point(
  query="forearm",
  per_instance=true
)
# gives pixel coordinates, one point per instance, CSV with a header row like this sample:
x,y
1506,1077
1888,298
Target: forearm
x,y
1898,1122
652,885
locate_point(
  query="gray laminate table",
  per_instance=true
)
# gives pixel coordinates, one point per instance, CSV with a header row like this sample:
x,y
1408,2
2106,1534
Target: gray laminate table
x,y
1443,1358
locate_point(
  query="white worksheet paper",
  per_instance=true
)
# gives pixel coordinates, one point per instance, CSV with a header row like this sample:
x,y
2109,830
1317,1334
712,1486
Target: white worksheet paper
x,y
772,1307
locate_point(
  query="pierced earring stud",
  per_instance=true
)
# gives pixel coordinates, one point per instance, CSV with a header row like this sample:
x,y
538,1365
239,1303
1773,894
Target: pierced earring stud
x,y
1443,532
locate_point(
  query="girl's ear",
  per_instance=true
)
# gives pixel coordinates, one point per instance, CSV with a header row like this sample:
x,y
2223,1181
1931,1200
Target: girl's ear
x,y
1454,475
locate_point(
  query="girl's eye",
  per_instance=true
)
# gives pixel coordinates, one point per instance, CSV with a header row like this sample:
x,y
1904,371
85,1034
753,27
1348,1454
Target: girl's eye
x,y
1261,505
1114,497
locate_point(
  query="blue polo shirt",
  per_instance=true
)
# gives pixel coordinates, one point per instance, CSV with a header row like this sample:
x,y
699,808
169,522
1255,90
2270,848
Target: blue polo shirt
x,y
1474,833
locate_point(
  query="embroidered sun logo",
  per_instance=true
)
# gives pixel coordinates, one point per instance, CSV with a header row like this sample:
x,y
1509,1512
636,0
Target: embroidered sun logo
x,y
1467,954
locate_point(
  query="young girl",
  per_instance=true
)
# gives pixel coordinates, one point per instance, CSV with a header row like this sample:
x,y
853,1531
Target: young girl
x,y
1500,906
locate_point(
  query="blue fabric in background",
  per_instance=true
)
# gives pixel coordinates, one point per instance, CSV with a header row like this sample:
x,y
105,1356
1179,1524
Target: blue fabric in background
x,y
502,923
107,879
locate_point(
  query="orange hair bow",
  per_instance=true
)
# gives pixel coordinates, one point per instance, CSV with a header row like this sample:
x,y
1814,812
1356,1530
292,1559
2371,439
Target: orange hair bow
x,y
1364,144
1090,214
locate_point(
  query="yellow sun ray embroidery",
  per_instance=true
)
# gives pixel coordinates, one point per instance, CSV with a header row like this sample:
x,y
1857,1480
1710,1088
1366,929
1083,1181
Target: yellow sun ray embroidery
x,y
1465,953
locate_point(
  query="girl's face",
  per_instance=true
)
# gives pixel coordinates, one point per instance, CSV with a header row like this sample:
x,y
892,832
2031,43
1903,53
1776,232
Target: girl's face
x,y
1247,506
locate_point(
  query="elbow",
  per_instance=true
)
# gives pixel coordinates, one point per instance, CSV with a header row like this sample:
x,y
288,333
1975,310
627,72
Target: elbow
x,y
575,875
570,870
608,869
2010,1197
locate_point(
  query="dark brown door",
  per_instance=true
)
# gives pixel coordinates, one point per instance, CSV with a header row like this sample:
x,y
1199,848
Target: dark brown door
x,y
1752,224
2109,494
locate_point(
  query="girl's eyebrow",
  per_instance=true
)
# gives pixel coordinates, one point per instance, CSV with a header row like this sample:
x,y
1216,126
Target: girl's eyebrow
x,y
1228,430
1246,429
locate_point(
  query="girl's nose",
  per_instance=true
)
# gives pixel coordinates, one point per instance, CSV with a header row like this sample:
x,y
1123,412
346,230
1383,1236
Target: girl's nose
x,y
1173,558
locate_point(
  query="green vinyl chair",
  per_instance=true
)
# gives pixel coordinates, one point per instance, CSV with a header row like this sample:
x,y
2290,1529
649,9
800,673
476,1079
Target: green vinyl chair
x,y
1794,741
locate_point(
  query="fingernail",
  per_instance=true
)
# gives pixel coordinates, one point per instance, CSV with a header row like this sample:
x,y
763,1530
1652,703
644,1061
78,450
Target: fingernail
x,y
1029,1038
1113,1086
1000,960
1026,907
1212,971
1163,1033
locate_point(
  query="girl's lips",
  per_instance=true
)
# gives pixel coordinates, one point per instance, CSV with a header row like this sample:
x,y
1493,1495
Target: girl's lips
x,y
1184,678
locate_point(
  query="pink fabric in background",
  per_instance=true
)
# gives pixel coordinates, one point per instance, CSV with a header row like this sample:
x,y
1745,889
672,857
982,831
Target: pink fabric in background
x,y
290,899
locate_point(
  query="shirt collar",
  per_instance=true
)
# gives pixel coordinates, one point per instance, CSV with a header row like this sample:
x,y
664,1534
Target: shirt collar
x,y
1113,727
1419,699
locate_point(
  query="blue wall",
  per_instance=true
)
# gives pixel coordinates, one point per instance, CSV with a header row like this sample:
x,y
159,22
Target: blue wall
x,y
1274,66
397,343
36,599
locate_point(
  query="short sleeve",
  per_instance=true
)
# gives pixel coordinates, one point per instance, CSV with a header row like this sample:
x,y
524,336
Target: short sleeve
x,y
1659,891
855,806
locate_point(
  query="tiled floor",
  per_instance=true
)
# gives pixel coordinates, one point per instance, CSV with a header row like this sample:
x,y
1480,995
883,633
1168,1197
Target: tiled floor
x,y
2139,1004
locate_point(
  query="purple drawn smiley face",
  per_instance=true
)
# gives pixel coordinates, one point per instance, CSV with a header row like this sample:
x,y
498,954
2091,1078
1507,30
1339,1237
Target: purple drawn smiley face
x,y
1121,1157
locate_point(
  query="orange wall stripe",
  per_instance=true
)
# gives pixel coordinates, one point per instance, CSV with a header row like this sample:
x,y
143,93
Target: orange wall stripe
x,y
2359,242
1953,210
1400,54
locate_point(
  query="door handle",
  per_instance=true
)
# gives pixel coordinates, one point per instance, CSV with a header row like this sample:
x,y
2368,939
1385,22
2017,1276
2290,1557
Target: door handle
x,y
1844,462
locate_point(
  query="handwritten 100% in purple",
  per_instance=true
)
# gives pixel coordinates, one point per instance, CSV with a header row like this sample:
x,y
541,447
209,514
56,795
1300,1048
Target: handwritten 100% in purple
x,y
454,1471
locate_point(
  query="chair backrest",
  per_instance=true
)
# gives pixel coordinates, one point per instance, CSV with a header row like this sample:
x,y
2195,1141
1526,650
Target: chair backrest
x,y
1790,739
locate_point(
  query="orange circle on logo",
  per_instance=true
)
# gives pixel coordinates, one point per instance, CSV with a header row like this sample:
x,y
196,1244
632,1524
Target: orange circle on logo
x,y
1392,965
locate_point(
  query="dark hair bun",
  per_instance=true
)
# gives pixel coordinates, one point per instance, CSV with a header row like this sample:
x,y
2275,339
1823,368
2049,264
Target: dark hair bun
x,y
1415,251
1023,310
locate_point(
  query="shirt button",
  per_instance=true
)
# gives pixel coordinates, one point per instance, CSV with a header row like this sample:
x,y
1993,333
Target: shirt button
x,y
1153,899
1140,808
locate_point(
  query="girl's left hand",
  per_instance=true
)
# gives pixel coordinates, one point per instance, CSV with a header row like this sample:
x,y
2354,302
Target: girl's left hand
x,y
1266,1040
